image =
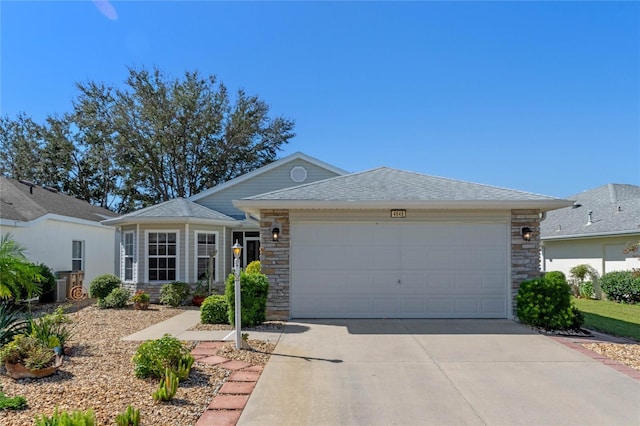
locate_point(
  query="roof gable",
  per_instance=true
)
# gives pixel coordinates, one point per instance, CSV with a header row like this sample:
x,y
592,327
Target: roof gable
x,y
262,170
26,202
383,187
615,209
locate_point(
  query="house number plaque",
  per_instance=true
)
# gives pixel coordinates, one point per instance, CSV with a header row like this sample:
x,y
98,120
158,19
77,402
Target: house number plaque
x,y
398,213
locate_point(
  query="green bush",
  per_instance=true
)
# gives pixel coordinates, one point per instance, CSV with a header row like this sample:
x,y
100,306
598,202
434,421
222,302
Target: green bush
x,y
48,284
214,310
621,286
254,267
75,418
253,294
585,290
153,357
546,303
555,276
117,299
102,285
12,403
52,328
12,322
175,293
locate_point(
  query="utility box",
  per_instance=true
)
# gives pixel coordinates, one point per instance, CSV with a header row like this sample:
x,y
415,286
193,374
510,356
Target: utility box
x,y
61,290
73,279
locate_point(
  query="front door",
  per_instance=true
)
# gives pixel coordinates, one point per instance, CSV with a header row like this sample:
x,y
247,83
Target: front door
x,y
252,250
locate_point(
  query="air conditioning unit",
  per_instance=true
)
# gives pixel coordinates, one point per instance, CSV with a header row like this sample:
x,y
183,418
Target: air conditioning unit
x,y
61,290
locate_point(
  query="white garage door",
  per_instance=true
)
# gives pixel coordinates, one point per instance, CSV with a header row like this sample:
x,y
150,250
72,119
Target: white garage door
x,y
382,270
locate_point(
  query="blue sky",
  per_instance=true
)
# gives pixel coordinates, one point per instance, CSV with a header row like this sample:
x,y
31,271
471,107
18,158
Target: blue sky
x,y
537,96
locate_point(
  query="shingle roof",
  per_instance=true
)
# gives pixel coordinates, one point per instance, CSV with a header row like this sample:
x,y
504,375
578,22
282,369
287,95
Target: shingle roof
x,y
382,186
178,208
615,210
26,202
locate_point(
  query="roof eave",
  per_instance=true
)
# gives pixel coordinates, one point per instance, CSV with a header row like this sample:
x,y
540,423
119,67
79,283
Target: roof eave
x,y
254,206
155,220
593,235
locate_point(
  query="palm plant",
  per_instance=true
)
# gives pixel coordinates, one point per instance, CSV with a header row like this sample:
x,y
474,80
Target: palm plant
x,y
12,322
16,272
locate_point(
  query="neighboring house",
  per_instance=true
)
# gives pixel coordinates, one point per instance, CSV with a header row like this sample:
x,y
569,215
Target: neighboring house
x,y
56,229
594,230
383,243
178,239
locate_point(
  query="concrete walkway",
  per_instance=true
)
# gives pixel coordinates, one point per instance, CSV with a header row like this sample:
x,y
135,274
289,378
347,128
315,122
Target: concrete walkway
x,y
179,325
435,372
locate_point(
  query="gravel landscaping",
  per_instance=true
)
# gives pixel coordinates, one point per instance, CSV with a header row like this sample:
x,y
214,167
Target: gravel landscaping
x,y
98,373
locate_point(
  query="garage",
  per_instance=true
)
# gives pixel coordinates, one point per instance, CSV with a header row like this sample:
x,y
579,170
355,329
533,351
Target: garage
x,y
400,270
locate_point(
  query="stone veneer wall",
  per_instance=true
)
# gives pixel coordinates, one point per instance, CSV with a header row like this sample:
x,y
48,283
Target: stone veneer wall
x,y
525,255
274,259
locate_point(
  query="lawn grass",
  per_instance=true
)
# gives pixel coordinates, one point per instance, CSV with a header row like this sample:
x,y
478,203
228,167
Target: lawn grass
x,y
618,319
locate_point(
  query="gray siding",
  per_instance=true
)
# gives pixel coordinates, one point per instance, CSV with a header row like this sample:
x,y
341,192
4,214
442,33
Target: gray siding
x,y
272,180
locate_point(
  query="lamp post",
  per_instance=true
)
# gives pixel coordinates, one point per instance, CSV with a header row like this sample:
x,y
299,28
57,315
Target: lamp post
x,y
237,250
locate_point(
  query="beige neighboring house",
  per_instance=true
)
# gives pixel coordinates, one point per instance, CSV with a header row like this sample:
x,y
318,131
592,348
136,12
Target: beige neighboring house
x,y
56,229
383,243
594,230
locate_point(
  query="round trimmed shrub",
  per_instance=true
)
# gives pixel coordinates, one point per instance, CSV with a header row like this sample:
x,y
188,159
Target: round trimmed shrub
x,y
118,298
621,286
48,284
546,303
253,298
102,285
153,357
175,293
214,310
254,267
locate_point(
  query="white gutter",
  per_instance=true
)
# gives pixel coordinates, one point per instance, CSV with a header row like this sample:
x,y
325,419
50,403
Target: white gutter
x,y
167,219
584,236
254,206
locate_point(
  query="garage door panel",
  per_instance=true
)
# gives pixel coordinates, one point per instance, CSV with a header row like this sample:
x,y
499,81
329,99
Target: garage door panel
x,y
430,270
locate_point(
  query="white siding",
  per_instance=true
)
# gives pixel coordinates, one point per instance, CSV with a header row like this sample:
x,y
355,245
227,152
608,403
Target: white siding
x,y
49,242
603,254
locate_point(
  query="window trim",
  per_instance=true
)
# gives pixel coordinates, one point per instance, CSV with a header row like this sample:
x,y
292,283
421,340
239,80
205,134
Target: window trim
x,y
146,253
195,253
123,257
81,258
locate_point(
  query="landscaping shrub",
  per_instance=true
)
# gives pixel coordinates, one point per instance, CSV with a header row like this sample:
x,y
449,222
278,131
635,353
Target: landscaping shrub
x,y
175,293
102,285
167,388
153,357
118,298
546,303
12,403
254,267
621,286
62,418
48,284
585,290
12,322
130,417
214,310
52,329
253,295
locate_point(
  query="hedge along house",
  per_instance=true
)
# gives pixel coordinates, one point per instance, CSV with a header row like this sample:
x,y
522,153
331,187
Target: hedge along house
x,y
387,243
184,239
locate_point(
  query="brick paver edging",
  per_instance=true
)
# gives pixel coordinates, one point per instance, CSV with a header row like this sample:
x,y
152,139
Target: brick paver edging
x,y
578,346
226,407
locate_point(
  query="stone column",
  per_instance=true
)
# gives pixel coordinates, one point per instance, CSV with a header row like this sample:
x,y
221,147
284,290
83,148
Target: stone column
x,y
275,262
525,255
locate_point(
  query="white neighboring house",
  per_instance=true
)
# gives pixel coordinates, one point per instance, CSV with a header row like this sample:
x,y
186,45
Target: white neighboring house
x,y
56,229
594,230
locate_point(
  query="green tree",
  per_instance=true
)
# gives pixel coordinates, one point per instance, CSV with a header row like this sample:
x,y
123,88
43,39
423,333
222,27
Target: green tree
x,y
16,272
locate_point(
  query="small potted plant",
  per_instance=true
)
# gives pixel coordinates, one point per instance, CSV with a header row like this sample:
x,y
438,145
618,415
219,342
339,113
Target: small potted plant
x,y
29,357
200,293
140,300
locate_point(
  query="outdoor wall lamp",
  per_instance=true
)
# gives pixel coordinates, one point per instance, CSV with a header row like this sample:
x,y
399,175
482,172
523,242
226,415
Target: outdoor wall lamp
x,y
275,231
526,233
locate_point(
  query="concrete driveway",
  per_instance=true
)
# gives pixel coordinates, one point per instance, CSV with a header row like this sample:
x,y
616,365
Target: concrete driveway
x,y
435,372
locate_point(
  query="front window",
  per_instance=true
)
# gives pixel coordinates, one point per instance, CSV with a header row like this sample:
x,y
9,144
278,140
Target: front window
x,y
162,252
206,255
128,258
77,255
